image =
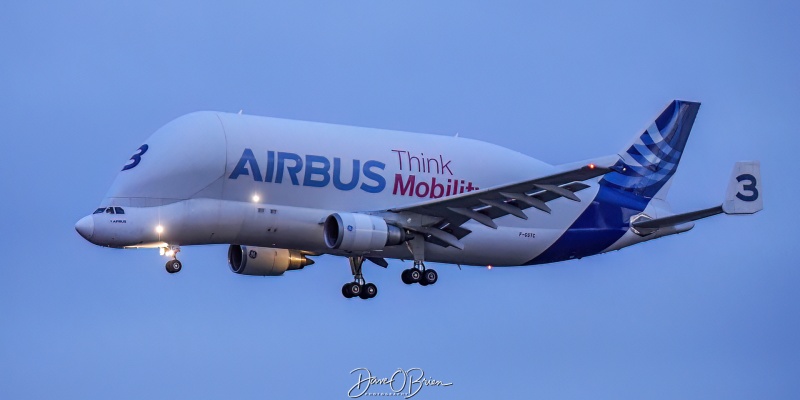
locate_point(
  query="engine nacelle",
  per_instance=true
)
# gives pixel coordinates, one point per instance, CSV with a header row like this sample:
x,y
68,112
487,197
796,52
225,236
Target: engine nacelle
x,y
360,232
264,261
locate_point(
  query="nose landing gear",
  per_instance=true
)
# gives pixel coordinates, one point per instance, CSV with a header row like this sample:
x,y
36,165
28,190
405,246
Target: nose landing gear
x,y
172,265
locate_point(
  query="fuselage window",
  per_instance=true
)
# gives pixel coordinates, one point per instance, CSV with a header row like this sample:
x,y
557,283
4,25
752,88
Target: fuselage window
x,y
119,210
99,211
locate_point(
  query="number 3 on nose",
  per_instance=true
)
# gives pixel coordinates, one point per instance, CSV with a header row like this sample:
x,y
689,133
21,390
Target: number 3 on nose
x,y
137,157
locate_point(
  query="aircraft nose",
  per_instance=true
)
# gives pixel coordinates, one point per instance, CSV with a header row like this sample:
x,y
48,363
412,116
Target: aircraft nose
x,y
85,227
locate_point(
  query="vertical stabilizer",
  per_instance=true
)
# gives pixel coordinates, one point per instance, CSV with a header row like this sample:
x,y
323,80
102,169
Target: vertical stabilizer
x,y
647,165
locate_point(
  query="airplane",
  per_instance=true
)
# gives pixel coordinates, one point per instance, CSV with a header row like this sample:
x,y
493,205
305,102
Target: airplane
x,y
281,191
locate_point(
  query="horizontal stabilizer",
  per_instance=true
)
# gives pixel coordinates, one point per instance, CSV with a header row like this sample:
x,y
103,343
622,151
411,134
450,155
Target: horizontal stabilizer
x,y
742,197
677,219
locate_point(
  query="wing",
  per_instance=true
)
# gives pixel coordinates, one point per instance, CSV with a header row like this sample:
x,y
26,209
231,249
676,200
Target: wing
x,y
440,220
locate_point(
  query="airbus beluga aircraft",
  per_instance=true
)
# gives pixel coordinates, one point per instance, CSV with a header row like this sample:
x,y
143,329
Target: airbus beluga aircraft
x,y
280,191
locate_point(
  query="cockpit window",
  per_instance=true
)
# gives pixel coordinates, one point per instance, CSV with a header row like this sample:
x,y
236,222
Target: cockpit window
x,y
109,210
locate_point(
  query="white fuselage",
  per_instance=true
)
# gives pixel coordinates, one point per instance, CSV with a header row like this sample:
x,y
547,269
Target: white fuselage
x,y
210,177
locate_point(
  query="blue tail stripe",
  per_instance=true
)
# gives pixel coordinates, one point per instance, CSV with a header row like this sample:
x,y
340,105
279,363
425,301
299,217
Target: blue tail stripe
x,y
643,169
653,157
667,115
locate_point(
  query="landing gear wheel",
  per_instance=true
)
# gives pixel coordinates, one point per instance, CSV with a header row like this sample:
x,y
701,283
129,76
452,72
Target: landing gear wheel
x,y
406,277
429,277
369,291
173,266
414,275
352,289
346,290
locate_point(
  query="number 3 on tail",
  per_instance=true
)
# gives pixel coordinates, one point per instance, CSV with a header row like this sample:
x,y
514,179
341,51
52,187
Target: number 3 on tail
x,y
750,186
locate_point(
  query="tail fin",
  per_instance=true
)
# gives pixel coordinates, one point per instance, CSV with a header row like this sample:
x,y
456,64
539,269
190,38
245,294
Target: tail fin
x,y
744,189
647,165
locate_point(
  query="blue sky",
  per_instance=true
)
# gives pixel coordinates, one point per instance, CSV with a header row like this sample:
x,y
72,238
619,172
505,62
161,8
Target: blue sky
x,y
713,313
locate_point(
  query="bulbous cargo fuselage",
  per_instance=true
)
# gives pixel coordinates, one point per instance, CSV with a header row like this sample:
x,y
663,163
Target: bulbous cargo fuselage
x,y
279,190
211,178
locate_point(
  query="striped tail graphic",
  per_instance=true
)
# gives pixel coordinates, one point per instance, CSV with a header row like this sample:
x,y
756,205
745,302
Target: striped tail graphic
x,y
650,161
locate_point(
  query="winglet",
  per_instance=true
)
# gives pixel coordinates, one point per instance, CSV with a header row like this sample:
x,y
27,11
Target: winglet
x,y
744,195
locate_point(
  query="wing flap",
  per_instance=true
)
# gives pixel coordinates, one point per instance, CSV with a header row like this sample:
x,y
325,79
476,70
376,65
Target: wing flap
x,y
471,199
486,205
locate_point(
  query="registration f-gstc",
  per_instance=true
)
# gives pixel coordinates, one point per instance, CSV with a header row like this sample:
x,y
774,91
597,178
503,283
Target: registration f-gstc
x,y
281,191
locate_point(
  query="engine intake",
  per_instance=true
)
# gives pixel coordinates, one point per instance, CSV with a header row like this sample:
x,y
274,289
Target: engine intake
x,y
360,232
264,261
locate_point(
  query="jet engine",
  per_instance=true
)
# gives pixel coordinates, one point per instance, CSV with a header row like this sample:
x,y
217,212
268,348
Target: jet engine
x,y
264,261
360,232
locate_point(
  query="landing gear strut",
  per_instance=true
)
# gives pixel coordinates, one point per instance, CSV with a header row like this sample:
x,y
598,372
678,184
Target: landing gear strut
x,y
418,274
359,287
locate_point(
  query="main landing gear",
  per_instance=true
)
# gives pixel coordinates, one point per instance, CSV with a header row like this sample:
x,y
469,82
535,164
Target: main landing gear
x,y
419,274
172,265
359,287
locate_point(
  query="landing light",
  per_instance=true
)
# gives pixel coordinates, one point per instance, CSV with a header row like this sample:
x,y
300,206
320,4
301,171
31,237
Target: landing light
x,y
170,253
256,199
159,229
489,267
591,166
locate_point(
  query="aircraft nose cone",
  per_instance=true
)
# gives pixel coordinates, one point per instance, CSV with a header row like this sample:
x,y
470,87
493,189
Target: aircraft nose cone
x,y
85,227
